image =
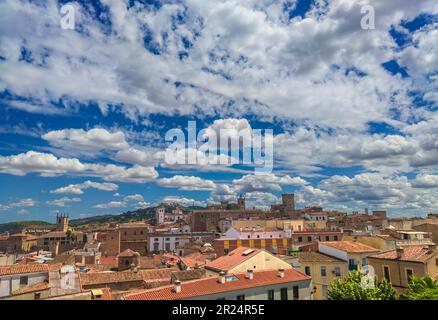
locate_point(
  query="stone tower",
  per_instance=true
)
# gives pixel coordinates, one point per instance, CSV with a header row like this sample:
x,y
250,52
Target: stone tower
x,y
241,202
159,214
62,222
288,200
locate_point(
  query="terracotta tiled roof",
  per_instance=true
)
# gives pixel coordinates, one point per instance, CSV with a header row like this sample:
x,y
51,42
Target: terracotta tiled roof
x,y
209,286
169,256
154,275
410,253
18,235
108,277
317,214
134,225
108,260
150,262
32,288
196,259
54,234
349,246
23,268
233,259
147,276
188,275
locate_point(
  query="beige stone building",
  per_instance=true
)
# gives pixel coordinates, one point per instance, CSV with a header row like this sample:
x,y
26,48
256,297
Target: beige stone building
x,y
429,227
322,268
354,254
400,264
243,259
277,224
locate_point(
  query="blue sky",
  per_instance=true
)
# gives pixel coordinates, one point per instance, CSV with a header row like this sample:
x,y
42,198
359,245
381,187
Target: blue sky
x,y
85,111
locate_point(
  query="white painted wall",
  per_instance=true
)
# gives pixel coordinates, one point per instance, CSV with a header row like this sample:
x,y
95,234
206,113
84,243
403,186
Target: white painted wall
x,y
333,252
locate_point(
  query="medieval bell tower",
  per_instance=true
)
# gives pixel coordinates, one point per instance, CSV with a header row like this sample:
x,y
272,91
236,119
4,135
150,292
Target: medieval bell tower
x,y
62,222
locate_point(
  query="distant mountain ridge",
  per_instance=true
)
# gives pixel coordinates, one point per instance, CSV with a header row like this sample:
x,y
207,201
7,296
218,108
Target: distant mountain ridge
x,y
129,216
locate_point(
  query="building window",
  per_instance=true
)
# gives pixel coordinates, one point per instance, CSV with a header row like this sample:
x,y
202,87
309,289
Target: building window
x,y
283,293
335,238
352,265
300,239
258,237
409,274
386,273
307,270
24,281
323,271
271,295
337,271
309,239
226,251
241,297
249,236
296,291
37,296
327,238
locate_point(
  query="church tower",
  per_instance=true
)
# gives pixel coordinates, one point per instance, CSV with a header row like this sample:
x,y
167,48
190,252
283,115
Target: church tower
x,y
159,214
241,202
62,222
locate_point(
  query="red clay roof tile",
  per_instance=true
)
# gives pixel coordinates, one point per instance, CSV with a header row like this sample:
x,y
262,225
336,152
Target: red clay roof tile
x,y
233,259
208,286
349,246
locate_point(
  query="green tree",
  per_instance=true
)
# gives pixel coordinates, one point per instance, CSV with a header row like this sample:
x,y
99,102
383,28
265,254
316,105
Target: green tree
x,y
351,287
421,288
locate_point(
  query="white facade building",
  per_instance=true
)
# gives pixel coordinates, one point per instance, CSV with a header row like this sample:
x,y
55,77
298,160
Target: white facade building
x,y
256,233
160,214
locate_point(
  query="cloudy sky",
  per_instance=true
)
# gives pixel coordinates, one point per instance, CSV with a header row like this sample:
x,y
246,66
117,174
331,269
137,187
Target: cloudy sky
x,y
85,111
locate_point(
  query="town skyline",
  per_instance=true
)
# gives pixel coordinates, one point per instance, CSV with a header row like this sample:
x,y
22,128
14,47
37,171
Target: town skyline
x,y
86,104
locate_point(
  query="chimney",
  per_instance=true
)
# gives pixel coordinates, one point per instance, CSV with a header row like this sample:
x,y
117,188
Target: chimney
x,y
281,273
249,274
222,277
177,288
399,251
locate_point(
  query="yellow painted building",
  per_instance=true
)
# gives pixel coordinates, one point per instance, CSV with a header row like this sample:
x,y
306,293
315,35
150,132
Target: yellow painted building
x,y
322,268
